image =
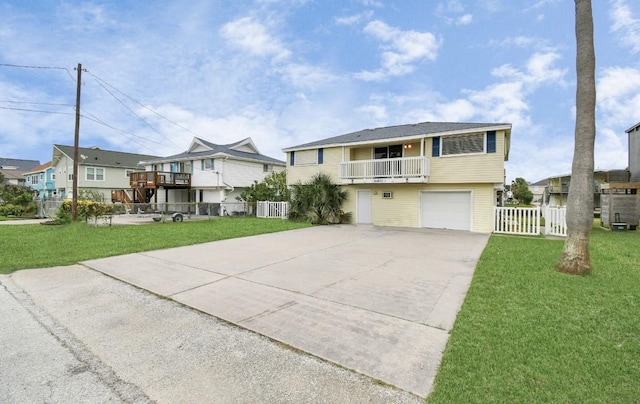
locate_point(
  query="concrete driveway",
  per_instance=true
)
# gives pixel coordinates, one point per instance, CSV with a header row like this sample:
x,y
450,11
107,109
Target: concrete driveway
x,y
380,301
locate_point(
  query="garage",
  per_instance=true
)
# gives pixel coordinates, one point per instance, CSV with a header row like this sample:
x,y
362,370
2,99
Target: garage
x,y
446,210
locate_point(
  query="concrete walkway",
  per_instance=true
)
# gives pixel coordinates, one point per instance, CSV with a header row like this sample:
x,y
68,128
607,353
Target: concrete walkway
x,y
379,301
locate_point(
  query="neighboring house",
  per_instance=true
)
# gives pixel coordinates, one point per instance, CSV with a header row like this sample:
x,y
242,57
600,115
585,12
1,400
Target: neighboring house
x,y
558,187
430,174
206,172
538,190
99,170
634,152
14,170
42,180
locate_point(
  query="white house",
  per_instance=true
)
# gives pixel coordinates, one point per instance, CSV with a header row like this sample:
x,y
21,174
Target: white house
x,y
206,172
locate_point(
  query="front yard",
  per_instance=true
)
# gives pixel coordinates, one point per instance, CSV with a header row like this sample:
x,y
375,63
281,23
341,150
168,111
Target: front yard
x,y
35,245
529,334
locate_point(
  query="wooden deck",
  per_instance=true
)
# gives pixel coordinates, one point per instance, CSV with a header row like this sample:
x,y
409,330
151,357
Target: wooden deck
x,y
155,179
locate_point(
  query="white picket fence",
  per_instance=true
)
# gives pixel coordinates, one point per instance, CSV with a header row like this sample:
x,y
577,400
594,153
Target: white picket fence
x,y
269,210
526,221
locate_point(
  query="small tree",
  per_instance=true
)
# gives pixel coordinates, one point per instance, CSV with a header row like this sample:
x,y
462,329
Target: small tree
x,y
16,199
318,201
272,188
520,189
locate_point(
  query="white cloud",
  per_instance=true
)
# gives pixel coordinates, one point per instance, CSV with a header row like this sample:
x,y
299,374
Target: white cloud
x,y
618,95
539,70
354,19
254,37
625,25
465,19
401,50
372,3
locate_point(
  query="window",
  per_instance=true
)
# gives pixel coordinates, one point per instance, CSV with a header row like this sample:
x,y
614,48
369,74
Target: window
x,y
34,179
53,176
292,158
306,157
95,174
265,168
206,164
71,177
462,144
388,152
320,156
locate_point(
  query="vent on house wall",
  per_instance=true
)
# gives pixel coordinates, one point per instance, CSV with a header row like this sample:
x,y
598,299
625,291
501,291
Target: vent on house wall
x,y
387,195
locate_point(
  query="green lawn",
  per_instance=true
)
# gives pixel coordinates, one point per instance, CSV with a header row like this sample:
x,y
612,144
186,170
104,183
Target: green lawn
x,y
528,334
35,246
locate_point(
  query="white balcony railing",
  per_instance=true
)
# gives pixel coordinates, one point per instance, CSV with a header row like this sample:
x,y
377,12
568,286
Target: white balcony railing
x,y
406,169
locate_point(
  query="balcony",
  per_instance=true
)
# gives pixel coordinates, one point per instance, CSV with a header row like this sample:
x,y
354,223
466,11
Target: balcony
x,y
154,179
396,170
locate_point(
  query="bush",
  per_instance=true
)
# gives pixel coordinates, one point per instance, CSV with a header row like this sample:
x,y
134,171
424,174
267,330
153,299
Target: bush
x,y
318,201
85,210
12,210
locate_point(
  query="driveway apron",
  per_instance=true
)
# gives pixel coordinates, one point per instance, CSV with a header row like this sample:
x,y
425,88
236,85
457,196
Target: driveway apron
x,y
379,301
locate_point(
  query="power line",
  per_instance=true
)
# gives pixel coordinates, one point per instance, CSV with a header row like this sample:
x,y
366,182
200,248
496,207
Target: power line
x,y
36,110
133,112
95,119
37,103
40,67
144,106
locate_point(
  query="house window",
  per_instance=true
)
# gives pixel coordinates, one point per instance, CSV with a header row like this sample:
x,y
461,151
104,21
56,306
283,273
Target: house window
x,y
265,168
95,174
34,179
206,164
307,157
71,177
53,176
320,156
462,144
292,158
388,152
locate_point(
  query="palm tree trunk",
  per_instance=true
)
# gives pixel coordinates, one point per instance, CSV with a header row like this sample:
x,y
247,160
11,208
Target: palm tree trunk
x,y
575,256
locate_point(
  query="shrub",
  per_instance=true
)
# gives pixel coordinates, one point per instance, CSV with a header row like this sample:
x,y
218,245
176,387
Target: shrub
x,y
85,209
12,210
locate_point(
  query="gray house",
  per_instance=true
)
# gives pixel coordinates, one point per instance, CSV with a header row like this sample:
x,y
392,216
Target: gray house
x,y
634,152
99,170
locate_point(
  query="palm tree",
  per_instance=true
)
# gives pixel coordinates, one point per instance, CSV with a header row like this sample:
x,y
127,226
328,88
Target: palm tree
x,y
318,201
575,255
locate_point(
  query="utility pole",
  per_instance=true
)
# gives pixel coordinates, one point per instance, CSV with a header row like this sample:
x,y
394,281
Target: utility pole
x,y
76,151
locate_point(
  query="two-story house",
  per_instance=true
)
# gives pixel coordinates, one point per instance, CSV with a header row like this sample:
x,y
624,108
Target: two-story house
x,y
431,174
99,170
633,134
42,180
205,172
13,170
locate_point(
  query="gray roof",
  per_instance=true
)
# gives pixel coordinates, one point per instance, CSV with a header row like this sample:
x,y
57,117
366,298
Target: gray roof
x,y
107,158
400,131
21,165
218,149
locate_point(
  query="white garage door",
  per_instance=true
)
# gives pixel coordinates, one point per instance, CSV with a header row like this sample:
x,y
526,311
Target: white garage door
x,y
446,210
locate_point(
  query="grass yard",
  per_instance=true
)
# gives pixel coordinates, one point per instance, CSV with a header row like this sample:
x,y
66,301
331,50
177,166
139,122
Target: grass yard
x,y
36,246
528,334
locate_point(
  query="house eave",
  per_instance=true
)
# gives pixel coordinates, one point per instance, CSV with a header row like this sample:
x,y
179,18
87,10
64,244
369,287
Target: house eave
x,y
402,138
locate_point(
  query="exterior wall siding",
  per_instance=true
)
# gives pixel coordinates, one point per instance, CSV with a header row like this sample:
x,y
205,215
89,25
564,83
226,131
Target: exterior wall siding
x,y
331,161
634,154
403,210
479,168
487,167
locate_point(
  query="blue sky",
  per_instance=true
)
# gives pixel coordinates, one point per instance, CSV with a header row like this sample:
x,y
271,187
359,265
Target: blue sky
x,y
285,72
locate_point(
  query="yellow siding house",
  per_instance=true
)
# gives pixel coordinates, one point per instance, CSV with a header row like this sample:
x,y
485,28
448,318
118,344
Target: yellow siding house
x,y
433,174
